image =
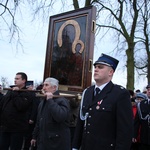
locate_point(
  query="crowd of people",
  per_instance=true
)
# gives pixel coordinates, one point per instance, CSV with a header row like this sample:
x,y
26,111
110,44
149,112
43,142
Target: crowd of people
x,y
141,111
108,116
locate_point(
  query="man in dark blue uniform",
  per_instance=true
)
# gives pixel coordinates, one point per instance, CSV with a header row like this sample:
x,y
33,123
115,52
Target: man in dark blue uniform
x,y
105,121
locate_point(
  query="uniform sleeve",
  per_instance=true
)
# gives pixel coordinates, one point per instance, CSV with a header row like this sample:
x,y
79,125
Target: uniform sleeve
x,y
78,133
124,120
77,140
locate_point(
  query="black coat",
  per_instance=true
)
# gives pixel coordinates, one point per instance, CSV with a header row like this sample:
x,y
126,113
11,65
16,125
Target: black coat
x,y
1,96
32,111
13,111
109,124
141,126
74,109
52,126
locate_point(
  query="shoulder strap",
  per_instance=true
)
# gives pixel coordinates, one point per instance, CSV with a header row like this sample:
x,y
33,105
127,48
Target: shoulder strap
x,y
140,113
83,117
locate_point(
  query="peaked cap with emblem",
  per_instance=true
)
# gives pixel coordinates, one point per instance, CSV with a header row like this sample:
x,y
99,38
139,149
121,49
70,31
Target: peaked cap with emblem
x,y
107,60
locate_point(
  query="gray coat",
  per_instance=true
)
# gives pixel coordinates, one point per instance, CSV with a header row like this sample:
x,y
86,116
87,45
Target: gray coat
x,y
52,131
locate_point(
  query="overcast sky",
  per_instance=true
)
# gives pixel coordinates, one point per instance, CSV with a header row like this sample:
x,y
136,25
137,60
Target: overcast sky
x,y
32,59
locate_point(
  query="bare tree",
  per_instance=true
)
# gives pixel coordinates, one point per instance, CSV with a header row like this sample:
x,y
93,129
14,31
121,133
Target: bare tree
x,y
143,41
4,81
120,16
8,23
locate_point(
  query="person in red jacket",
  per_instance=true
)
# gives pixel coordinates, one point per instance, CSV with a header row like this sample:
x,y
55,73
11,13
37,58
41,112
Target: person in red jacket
x,y
137,99
142,122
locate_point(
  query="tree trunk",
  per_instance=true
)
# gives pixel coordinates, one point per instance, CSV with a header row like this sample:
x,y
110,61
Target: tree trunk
x,y
75,4
148,67
130,66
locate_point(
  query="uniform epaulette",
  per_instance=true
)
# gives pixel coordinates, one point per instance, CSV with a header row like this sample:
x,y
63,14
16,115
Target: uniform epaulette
x,y
120,86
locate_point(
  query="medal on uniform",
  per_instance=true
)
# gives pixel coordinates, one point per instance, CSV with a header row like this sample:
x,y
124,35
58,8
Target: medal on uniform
x,y
98,104
97,107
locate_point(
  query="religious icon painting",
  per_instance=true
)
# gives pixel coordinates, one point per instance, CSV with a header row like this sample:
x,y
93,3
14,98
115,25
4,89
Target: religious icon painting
x,y
70,47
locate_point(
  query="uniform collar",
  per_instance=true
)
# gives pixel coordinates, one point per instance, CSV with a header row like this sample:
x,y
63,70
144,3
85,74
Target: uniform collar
x,y
101,87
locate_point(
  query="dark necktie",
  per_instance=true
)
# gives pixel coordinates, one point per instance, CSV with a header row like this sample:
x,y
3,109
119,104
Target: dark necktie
x,y
97,91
